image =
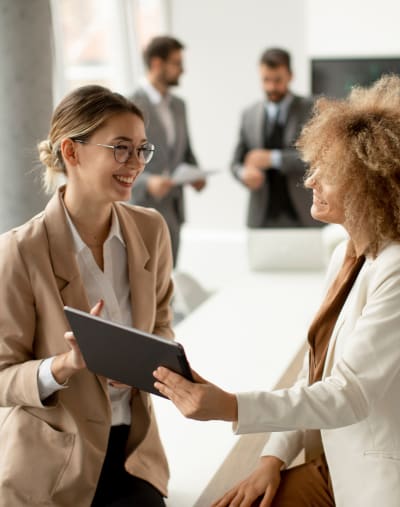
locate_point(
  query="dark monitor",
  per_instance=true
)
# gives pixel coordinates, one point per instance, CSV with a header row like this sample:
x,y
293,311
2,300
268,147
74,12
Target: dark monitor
x,y
336,77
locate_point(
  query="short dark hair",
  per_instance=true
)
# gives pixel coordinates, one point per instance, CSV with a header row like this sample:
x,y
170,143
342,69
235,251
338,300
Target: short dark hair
x,y
276,57
161,47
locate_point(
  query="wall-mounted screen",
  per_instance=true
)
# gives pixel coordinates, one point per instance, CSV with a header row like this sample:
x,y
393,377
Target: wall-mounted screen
x,y
335,77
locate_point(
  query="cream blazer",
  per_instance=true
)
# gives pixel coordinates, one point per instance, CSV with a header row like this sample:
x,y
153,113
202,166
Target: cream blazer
x,y
356,405
51,453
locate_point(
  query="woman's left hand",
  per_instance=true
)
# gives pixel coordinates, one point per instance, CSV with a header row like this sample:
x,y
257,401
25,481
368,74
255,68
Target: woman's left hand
x,y
199,400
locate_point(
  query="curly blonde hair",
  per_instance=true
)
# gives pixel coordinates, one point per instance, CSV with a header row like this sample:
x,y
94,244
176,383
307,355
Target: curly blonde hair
x,y
79,115
356,142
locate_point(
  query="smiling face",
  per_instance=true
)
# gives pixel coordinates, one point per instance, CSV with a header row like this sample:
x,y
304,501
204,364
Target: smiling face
x,y
328,199
95,175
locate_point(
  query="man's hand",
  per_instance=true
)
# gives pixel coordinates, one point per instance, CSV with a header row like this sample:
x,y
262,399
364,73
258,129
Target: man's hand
x,y
159,186
252,177
259,158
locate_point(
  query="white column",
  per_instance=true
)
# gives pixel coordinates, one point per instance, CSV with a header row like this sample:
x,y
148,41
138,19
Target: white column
x,y
25,105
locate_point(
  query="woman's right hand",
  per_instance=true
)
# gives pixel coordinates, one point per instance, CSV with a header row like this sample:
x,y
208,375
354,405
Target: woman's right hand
x,y
65,365
263,482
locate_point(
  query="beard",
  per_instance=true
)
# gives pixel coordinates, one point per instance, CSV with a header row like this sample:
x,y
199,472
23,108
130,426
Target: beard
x,y
275,96
172,81
169,80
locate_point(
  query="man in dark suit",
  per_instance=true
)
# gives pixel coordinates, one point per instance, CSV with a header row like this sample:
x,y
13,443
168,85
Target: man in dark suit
x,y
166,128
265,159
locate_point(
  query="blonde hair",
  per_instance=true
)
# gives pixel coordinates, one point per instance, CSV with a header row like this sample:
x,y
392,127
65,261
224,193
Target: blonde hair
x,y
78,116
356,143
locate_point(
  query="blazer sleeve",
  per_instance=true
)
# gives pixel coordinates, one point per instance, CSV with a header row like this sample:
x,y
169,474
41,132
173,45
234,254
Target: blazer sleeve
x,y
286,445
18,367
369,363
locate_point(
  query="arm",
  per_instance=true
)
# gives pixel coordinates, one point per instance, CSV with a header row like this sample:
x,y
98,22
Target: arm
x,y
18,365
343,398
21,381
245,165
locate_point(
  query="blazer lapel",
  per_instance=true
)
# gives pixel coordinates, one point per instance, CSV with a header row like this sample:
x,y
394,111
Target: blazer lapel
x,y
140,278
154,125
292,122
343,317
62,255
260,124
176,153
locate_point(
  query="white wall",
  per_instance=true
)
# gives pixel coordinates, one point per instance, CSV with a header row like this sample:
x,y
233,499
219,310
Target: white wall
x,y
224,40
346,28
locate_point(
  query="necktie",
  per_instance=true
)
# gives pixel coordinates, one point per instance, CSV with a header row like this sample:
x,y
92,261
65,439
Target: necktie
x,y
273,131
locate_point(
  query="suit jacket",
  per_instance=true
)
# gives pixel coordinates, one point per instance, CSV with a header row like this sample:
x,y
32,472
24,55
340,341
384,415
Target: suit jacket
x,y
51,453
356,404
165,159
251,136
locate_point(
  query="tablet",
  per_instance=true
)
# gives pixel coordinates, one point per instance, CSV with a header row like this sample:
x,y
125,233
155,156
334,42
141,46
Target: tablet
x,y
124,353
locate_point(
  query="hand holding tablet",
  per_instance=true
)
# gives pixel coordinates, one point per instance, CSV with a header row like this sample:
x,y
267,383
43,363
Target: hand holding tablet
x,y
125,354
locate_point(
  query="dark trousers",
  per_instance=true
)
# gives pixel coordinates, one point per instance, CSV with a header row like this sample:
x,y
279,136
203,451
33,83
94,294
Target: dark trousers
x,y
116,487
307,485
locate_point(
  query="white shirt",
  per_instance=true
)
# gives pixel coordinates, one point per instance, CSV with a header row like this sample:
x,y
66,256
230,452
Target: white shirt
x,y
161,104
111,285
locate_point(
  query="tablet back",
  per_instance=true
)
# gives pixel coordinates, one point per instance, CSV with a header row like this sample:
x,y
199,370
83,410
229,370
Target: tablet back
x,y
123,353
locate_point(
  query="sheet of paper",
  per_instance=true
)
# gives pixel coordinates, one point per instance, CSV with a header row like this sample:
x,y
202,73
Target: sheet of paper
x,y
187,173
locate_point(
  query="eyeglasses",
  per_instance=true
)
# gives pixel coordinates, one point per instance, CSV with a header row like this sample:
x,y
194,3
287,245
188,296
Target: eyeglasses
x,y
123,150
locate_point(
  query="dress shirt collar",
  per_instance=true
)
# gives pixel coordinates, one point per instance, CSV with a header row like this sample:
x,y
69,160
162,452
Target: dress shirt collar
x,y
281,107
153,94
79,244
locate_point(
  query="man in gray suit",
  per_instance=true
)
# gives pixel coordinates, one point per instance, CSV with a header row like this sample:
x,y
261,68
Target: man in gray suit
x,y
166,128
265,159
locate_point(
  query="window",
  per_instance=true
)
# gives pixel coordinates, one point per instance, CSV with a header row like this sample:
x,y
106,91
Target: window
x,y
101,41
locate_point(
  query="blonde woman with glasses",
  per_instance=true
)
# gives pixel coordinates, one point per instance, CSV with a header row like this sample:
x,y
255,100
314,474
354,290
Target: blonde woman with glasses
x,y
69,437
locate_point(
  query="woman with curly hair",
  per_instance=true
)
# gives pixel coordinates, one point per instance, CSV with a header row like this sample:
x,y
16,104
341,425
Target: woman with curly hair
x,y
344,409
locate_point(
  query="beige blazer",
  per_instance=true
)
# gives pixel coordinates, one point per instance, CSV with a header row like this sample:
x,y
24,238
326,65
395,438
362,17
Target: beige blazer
x,y
51,453
356,405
